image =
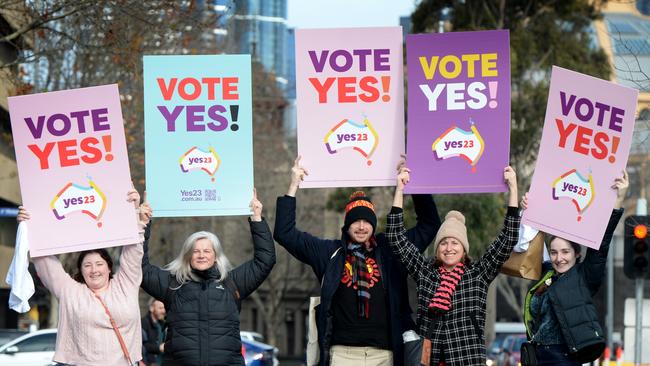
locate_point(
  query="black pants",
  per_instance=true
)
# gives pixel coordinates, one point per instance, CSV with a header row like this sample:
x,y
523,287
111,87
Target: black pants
x,y
555,355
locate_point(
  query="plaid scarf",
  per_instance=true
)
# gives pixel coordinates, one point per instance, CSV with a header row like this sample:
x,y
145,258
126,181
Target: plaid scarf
x,y
360,275
441,300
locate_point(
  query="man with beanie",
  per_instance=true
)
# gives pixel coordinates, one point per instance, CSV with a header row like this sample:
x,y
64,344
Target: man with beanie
x,y
364,307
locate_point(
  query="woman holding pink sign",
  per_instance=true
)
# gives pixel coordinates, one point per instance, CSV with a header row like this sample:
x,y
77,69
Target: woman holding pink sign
x,y
558,333
99,313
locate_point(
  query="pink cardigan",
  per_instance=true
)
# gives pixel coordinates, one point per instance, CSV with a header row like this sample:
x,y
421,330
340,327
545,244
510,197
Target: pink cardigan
x,y
85,336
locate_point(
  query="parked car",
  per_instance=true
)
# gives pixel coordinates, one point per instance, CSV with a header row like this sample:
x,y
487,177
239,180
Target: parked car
x,y
494,350
254,342
7,335
37,349
515,356
253,336
257,354
31,349
510,355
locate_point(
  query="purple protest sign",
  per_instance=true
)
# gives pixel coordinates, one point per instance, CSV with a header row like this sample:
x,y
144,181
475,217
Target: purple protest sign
x,y
458,111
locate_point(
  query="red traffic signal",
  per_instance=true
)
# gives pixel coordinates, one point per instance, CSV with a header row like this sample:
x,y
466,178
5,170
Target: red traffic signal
x,y
640,231
636,263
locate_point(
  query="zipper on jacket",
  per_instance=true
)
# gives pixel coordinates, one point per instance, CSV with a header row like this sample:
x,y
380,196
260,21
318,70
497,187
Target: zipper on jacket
x,y
528,317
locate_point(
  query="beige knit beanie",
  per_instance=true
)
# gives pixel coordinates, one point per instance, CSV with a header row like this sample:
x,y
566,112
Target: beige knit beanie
x,y
453,226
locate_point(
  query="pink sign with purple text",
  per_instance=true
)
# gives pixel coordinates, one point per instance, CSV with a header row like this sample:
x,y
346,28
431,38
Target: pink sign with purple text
x,y
585,145
349,85
73,169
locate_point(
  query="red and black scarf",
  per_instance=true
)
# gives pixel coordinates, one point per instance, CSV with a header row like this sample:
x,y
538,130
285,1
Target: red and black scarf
x,y
441,300
361,276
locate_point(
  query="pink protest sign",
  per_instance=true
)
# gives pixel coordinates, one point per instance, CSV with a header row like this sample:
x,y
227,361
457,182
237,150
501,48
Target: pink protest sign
x,y
585,145
73,169
349,86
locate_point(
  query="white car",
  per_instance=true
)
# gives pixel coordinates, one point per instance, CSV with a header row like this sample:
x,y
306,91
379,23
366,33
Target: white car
x,y
251,336
32,349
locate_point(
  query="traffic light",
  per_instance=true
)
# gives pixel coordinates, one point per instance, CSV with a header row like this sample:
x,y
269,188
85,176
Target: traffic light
x,y
636,263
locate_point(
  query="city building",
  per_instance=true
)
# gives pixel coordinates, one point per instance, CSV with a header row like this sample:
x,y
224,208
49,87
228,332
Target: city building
x,y
259,28
9,187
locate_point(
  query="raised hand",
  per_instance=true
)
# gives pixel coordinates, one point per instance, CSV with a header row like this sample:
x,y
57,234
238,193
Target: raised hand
x,y
145,210
134,197
401,163
403,177
621,184
256,206
524,201
510,177
23,214
298,174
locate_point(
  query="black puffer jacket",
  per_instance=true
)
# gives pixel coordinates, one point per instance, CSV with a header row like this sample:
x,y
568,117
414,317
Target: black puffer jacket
x,y
576,313
202,317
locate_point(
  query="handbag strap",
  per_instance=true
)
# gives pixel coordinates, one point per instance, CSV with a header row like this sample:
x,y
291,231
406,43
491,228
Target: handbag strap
x,y
117,331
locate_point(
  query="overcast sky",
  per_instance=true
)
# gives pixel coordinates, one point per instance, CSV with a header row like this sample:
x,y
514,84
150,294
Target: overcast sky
x,y
347,13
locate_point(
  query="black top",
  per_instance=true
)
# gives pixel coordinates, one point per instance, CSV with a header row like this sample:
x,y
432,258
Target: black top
x,y
350,329
203,315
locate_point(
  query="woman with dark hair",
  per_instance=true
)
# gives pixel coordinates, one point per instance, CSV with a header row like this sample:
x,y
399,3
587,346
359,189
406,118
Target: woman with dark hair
x,y
102,253
202,293
452,291
565,329
99,313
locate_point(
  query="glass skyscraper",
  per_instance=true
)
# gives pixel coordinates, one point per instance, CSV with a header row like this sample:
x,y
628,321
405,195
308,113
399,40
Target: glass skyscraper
x,y
260,28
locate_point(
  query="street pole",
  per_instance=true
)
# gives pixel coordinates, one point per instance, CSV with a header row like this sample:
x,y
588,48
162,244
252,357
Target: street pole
x,y
609,319
641,210
639,321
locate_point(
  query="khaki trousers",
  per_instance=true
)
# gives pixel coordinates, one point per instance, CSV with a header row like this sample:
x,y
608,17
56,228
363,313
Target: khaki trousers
x,y
360,356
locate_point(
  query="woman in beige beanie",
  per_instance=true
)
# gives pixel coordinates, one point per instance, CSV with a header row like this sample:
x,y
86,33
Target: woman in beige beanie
x,y
452,291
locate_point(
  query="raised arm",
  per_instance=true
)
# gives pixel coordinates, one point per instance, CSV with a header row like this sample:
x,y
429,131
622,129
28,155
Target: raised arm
x,y
428,221
48,268
298,173
499,251
406,251
131,258
302,245
595,260
250,275
426,215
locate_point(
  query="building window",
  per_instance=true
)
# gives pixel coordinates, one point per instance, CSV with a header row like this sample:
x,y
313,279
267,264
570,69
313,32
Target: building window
x,y
290,323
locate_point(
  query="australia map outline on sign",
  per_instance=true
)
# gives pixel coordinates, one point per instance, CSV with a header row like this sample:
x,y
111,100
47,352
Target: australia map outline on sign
x,y
89,200
348,134
580,190
456,142
195,159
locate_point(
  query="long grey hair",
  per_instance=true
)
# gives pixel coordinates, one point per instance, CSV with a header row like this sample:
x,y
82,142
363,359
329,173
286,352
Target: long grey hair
x,y
181,268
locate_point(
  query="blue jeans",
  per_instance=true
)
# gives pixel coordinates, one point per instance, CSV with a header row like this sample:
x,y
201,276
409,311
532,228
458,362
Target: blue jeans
x,y
554,355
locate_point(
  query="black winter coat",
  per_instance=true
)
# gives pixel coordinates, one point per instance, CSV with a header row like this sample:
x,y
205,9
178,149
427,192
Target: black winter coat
x,y
318,253
576,314
151,345
202,317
